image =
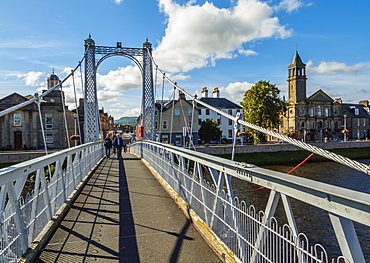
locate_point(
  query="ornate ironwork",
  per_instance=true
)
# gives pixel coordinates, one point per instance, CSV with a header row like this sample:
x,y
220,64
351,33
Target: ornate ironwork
x,y
91,129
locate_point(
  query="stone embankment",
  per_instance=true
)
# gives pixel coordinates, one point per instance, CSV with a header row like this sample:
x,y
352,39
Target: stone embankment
x,y
277,147
19,156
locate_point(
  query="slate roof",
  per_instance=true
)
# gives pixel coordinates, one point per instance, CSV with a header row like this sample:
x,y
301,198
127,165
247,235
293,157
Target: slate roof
x,y
221,103
297,60
349,109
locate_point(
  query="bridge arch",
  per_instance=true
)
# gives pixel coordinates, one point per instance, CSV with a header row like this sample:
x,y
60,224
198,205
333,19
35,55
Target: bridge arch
x,y
91,110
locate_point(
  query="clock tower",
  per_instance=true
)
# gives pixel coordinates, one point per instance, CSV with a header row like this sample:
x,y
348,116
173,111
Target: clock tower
x,y
296,80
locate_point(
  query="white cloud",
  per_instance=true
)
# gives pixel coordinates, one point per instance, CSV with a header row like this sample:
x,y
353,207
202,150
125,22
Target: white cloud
x,y
198,35
32,78
123,79
118,1
237,87
290,5
108,95
247,52
336,67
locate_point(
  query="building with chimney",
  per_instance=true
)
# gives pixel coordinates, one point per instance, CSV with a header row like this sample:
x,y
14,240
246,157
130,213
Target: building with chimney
x,y
223,104
173,120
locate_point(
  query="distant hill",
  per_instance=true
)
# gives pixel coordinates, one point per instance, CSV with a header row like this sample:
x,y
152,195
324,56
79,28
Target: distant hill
x,y
126,120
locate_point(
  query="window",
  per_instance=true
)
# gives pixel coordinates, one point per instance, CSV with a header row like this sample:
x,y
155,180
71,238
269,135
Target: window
x,y
207,111
358,122
17,120
164,125
49,138
48,121
311,111
177,112
230,112
357,112
230,122
319,111
364,123
199,121
230,133
326,111
190,112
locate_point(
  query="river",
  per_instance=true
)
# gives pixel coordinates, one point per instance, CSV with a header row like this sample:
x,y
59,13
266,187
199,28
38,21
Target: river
x,y
312,221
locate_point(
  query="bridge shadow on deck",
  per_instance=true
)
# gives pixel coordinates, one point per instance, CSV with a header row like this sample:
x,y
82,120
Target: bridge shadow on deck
x,y
124,215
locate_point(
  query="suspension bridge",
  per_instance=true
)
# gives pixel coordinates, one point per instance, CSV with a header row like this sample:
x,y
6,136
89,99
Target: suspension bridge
x,y
75,205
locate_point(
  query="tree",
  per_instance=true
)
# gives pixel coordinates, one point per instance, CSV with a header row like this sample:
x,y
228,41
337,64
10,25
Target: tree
x,y
209,131
262,106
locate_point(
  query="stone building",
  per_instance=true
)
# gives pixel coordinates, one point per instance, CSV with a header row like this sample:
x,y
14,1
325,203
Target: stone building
x,y
319,117
223,104
356,120
21,129
172,118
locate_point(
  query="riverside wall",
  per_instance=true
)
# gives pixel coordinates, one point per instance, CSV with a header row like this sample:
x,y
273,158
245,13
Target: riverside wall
x,y
19,156
277,147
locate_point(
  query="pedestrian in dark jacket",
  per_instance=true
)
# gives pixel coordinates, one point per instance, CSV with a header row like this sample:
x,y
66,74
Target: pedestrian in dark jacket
x,y
108,143
118,144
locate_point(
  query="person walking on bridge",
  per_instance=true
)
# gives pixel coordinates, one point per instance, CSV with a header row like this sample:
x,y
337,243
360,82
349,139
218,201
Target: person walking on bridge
x,y
118,144
108,143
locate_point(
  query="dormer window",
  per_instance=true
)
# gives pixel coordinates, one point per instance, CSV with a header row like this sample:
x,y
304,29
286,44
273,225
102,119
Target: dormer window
x,y
357,111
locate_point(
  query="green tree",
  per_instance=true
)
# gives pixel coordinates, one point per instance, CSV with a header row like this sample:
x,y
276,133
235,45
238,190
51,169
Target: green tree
x,y
209,131
262,106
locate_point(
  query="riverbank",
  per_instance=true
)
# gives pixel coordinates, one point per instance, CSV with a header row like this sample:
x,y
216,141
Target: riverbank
x,y
294,157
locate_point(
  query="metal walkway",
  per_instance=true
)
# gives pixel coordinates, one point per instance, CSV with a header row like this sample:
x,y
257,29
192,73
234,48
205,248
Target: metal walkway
x,y
124,215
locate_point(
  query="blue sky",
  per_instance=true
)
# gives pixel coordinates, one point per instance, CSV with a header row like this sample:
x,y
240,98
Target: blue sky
x,y
227,44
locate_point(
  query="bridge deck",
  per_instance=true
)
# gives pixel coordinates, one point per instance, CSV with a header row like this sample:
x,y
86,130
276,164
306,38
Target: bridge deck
x,y
124,215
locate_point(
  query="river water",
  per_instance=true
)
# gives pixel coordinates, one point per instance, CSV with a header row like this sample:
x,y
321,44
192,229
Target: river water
x,y
312,221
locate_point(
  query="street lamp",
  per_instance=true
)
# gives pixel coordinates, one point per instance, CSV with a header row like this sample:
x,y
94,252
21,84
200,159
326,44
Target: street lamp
x,y
345,127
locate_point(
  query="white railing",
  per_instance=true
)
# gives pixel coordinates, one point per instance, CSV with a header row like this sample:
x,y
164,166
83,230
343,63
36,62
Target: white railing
x,y
32,192
251,235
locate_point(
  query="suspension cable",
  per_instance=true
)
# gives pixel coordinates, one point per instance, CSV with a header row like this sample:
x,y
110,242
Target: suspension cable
x,y
173,106
160,125
77,119
192,125
35,99
65,117
38,102
314,149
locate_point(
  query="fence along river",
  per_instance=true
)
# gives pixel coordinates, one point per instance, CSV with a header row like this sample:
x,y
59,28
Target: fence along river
x,y
312,221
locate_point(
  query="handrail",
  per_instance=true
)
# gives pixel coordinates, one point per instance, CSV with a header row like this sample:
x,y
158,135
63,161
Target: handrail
x,y
183,169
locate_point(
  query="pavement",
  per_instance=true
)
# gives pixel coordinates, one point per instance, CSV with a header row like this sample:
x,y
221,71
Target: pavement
x,y
124,215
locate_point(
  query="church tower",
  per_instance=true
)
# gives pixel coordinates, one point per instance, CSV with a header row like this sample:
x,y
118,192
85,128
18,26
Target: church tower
x,y
53,80
296,80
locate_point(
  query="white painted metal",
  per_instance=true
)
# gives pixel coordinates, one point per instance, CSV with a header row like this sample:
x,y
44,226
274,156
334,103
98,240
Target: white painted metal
x,y
252,236
25,210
